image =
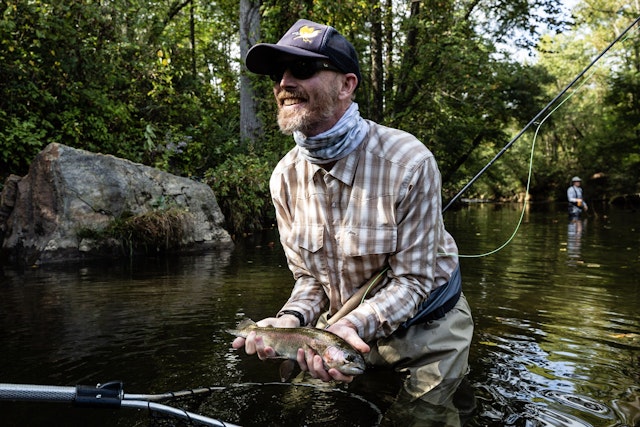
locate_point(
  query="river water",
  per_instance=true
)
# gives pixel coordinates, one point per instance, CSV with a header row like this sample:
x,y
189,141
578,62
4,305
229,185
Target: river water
x,y
557,339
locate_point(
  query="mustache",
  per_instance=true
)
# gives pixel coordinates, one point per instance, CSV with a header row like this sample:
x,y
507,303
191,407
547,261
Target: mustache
x,y
285,94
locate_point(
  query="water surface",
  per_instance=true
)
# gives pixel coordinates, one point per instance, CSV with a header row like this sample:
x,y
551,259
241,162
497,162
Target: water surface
x,y
557,339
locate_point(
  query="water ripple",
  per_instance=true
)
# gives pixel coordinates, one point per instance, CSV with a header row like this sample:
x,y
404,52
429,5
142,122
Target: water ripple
x,y
582,403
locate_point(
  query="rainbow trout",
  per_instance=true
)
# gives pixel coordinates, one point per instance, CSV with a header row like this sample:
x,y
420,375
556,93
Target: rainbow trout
x,y
335,352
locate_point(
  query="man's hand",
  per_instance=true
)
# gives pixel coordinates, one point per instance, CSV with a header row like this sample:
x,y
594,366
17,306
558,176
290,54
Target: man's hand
x,y
310,361
254,344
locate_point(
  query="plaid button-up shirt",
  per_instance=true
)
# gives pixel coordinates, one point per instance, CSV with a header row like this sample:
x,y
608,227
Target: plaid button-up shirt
x,y
378,207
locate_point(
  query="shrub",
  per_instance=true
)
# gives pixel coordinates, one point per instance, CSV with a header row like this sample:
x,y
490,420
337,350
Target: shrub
x,y
241,185
154,231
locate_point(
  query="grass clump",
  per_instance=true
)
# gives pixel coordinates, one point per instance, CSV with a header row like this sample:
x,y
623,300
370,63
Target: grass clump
x,y
154,231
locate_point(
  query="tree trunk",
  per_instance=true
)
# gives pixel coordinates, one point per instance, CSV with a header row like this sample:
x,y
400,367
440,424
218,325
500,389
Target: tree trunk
x,y
377,88
404,93
389,34
192,37
250,125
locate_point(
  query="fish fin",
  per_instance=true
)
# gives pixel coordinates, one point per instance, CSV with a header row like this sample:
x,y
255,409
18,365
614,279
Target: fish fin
x,y
286,369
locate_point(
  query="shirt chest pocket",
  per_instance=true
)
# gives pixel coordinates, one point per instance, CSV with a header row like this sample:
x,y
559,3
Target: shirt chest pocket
x,y
307,237
307,256
358,241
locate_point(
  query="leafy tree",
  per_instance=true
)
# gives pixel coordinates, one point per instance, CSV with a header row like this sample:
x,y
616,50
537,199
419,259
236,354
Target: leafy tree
x,y
163,83
594,134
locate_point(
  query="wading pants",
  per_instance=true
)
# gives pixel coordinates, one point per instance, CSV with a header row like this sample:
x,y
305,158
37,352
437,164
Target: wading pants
x,y
429,354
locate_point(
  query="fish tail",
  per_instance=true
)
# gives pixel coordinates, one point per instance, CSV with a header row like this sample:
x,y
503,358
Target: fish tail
x,y
246,323
241,330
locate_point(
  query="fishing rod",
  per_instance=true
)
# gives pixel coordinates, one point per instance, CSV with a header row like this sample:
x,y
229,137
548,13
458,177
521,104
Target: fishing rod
x,y
562,92
108,395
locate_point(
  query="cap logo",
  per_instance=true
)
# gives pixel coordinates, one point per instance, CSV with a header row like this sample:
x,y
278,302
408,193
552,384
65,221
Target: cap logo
x,y
307,34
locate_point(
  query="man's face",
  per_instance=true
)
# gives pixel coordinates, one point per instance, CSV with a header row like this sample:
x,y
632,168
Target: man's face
x,y
310,105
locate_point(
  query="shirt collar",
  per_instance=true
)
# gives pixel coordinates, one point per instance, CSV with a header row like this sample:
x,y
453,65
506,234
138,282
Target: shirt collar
x,y
345,168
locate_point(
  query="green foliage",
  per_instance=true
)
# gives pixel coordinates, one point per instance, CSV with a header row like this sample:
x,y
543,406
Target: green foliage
x,y
595,133
241,185
158,83
20,139
99,76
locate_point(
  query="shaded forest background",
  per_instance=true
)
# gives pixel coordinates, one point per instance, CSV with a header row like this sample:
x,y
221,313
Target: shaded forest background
x,y
163,83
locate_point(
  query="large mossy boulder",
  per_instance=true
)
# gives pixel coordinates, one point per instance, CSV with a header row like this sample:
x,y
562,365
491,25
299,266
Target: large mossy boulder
x,y
75,205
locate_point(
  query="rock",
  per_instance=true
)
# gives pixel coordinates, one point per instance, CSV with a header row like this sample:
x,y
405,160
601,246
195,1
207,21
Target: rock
x,y
46,214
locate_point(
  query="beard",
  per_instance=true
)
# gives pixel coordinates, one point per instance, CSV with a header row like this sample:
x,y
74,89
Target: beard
x,y
317,111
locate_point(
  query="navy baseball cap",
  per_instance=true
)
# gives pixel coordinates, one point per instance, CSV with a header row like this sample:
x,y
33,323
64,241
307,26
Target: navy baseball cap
x,y
306,39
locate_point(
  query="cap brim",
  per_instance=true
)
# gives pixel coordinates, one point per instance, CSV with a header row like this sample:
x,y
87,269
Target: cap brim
x,y
262,57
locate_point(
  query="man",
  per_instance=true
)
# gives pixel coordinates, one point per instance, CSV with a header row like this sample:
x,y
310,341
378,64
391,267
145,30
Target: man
x,y
576,202
356,200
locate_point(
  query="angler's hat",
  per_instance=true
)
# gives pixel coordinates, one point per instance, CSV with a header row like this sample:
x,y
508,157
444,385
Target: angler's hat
x,y
309,40
575,178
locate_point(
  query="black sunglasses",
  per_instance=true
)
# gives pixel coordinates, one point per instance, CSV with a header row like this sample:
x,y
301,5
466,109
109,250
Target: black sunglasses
x,y
301,70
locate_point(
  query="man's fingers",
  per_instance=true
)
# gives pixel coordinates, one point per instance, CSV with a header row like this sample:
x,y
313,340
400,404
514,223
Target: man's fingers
x,y
238,343
319,369
250,343
302,361
309,354
339,376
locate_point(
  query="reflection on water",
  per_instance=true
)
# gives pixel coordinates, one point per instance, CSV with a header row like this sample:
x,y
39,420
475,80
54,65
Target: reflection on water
x,y
552,329
280,404
557,331
574,236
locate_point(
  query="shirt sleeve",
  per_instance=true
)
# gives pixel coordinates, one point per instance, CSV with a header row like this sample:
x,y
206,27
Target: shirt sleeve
x,y
413,266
